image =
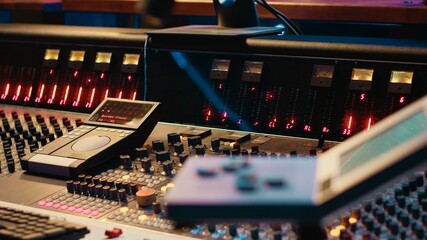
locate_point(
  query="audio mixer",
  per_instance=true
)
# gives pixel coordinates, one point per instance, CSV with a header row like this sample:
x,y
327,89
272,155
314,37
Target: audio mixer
x,y
272,98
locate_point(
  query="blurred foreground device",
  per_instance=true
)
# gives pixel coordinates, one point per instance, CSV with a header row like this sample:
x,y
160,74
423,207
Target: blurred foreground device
x,y
115,125
304,189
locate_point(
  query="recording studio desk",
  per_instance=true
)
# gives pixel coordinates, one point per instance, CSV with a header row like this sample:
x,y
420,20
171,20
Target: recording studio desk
x,y
379,11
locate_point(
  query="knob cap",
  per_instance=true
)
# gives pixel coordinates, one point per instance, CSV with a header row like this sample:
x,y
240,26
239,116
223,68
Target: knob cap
x,y
158,145
193,141
145,197
162,156
173,138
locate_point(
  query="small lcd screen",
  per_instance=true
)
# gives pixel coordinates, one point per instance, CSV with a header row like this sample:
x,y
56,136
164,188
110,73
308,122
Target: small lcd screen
x,y
392,137
121,113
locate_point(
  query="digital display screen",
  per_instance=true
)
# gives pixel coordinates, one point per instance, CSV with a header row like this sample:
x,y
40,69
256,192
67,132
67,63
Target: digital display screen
x,y
392,137
121,113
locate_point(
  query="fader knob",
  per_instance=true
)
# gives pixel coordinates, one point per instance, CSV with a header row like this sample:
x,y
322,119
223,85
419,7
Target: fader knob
x,y
173,138
146,164
158,145
99,191
133,188
215,144
66,121
15,115
226,151
43,140
27,117
193,141
79,122
106,192
141,152
145,197
52,120
126,162
84,188
255,149
235,152
167,167
179,147
114,194
76,186
162,156
200,150
157,208
70,186
244,152
293,153
91,188
122,195
183,157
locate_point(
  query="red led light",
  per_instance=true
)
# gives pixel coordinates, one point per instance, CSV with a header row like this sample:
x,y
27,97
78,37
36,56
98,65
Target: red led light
x,y
369,123
38,99
272,123
239,122
402,100
220,86
253,89
64,101
106,93
307,128
290,125
18,92
256,123
130,78
269,96
346,132
325,129
92,96
27,98
80,94
224,114
51,72
350,121
76,73
102,75
362,97
6,92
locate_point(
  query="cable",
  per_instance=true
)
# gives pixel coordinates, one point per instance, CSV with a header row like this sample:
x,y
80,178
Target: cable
x,y
282,17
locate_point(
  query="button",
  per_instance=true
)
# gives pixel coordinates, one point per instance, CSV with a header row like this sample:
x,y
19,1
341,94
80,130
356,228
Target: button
x,y
114,233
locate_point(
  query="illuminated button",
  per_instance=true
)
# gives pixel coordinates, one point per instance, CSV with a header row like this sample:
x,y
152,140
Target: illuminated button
x,y
124,210
142,217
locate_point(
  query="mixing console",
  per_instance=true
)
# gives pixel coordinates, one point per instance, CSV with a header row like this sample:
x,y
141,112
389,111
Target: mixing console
x,y
263,97
131,189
